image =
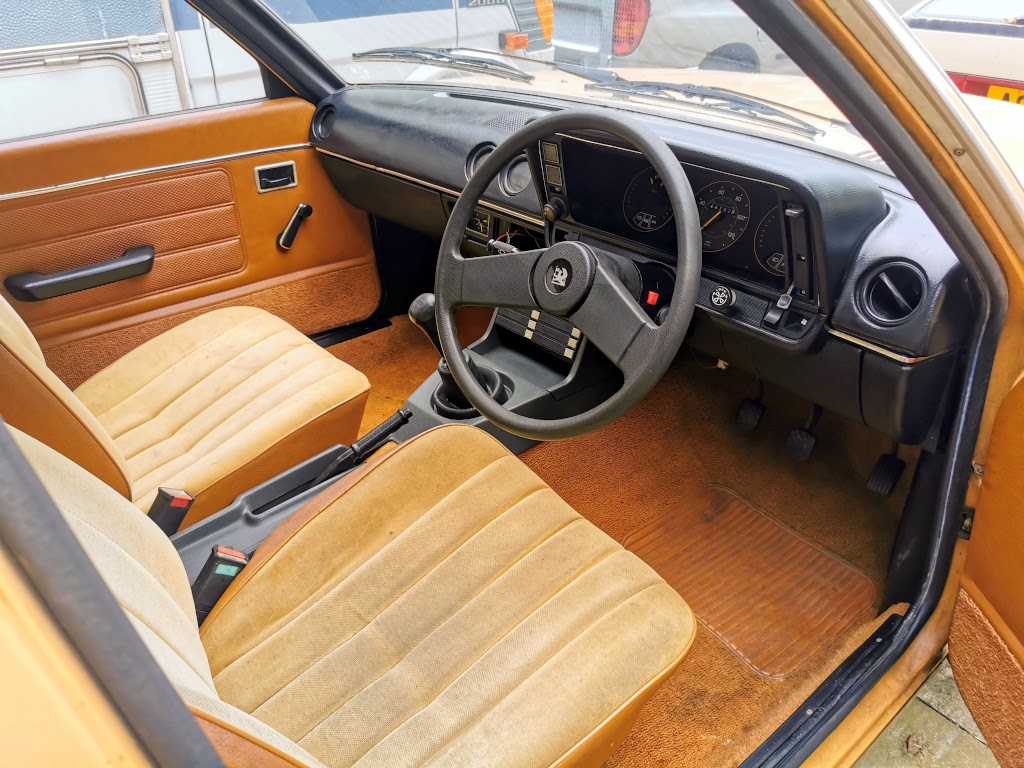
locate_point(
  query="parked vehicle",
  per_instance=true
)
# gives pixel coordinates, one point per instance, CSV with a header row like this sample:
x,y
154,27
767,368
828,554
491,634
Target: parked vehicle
x,y
710,34
979,44
153,57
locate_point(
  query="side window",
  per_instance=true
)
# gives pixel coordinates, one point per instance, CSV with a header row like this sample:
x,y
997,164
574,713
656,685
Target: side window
x,y
67,64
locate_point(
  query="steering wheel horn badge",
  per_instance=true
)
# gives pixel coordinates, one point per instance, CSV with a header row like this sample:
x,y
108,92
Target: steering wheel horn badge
x,y
559,276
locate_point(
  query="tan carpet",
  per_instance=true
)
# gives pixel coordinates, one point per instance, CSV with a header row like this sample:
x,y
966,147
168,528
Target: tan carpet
x,y
398,359
716,709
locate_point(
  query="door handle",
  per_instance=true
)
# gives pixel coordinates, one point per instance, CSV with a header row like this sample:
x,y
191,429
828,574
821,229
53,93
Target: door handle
x,y
32,286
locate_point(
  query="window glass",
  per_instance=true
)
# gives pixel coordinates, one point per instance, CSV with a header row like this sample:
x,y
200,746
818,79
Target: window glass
x,y
68,64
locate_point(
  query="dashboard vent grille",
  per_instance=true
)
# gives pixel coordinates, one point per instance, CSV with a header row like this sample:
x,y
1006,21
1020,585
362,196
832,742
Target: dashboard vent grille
x,y
510,121
892,292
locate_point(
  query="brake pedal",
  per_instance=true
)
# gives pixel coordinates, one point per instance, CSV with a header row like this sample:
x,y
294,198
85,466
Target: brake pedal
x,y
751,409
886,473
749,414
800,443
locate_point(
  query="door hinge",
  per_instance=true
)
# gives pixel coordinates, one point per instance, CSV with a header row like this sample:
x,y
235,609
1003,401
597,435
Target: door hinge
x,y
966,523
149,48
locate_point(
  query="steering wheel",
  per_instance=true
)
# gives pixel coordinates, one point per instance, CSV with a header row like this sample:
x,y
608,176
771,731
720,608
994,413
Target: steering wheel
x,y
571,280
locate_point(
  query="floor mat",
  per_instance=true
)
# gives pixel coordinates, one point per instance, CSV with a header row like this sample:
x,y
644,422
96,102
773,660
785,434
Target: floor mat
x,y
772,597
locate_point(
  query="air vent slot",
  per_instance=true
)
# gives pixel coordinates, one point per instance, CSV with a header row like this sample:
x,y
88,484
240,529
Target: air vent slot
x,y
892,292
476,157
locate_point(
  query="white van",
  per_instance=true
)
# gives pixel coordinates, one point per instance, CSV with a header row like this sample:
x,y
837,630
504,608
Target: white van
x,y
148,57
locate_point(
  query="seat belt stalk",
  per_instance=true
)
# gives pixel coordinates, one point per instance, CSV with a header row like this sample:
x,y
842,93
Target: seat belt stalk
x,y
221,568
169,508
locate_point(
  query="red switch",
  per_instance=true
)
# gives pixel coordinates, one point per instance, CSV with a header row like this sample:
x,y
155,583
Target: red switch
x,y
652,298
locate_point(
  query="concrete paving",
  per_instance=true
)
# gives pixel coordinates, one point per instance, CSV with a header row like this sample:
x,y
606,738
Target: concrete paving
x,y
934,730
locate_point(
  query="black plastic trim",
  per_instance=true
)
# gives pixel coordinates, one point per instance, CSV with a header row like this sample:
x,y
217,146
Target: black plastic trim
x,y
53,562
273,44
32,286
823,62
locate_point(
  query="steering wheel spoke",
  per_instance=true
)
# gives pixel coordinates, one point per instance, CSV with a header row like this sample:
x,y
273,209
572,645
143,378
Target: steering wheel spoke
x,y
613,322
498,281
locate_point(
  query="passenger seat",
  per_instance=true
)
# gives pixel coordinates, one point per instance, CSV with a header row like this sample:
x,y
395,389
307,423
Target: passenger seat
x,y
213,406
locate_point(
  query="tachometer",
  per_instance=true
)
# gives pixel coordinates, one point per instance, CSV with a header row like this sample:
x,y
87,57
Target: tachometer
x,y
724,214
646,205
768,247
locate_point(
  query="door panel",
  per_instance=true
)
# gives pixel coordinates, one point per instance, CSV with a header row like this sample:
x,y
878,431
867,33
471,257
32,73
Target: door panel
x,y
988,623
186,185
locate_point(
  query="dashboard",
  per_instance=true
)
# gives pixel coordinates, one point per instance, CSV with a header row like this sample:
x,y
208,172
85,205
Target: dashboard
x,y
839,287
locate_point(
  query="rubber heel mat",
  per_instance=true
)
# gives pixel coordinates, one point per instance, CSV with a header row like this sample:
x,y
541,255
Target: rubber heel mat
x,y
772,597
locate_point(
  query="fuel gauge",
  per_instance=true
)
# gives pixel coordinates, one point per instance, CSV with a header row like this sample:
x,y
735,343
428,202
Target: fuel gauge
x,y
769,249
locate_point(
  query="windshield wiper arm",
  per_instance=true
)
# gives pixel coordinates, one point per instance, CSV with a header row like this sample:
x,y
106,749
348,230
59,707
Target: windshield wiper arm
x,y
722,99
447,58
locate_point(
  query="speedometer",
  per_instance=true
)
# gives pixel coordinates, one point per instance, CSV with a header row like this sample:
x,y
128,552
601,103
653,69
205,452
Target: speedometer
x,y
724,214
646,205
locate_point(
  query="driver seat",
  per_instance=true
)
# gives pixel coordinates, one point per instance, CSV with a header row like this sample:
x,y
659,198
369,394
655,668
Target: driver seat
x,y
440,605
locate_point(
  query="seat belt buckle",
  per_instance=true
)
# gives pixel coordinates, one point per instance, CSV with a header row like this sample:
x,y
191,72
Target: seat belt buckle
x,y
221,568
169,508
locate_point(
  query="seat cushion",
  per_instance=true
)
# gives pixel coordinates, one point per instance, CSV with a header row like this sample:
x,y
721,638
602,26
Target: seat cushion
x,y
444,606
221,403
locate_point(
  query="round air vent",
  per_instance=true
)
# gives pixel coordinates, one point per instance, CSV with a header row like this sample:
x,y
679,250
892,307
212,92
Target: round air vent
x,y
892,292
515,177
476,157
323,122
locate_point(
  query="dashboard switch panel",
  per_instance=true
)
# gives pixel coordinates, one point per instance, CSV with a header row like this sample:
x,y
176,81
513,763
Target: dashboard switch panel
x,y
800,251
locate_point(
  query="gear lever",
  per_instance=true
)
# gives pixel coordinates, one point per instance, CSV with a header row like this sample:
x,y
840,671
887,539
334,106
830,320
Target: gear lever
x,y
448,399
421,313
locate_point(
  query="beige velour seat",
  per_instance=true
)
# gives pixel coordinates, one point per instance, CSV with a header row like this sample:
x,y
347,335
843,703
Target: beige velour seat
x,y
439,606
213,406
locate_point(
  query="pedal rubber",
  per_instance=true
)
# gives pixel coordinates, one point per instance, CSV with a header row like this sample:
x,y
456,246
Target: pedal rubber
x,y
886,474
749,414
800,444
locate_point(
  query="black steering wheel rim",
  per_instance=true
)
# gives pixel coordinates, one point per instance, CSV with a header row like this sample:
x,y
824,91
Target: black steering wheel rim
x,y
648,351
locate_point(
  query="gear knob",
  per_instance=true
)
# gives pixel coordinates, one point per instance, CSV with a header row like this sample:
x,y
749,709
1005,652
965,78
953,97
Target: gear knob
x,y
421,313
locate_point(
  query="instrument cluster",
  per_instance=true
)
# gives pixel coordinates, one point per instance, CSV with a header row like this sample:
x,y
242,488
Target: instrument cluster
x,y
616,191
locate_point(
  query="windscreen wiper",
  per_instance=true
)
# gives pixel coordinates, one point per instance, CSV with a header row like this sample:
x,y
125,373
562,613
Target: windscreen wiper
x,y
447,58
720,99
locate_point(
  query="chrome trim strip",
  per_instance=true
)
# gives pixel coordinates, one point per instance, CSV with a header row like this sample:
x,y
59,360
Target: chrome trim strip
x,y
856,341
436,187
147,171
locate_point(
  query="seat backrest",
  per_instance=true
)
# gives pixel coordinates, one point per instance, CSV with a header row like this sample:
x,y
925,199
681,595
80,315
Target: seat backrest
x,y
35,401
146,576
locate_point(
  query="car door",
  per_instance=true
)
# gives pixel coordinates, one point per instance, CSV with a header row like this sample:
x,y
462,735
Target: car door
x,y
209,191
985,644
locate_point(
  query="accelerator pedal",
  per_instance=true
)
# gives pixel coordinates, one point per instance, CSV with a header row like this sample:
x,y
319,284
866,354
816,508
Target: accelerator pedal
x,y
886,472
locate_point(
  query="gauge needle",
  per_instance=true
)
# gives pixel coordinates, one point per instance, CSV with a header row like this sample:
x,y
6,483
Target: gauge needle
x,y
705,224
